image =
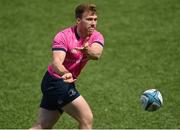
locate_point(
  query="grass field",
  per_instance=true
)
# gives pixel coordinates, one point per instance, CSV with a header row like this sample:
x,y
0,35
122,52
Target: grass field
x,y
142,51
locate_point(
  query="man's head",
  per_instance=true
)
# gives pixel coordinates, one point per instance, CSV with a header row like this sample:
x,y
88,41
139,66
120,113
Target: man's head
x,y
86,18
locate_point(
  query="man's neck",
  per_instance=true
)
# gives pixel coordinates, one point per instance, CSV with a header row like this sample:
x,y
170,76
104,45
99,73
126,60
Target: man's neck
x,y
80,33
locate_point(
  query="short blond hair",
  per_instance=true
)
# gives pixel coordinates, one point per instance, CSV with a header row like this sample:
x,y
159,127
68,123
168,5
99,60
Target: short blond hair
x,y
80,9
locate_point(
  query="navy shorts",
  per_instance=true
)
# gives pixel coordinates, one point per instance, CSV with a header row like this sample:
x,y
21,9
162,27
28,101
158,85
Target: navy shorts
x,y
56,93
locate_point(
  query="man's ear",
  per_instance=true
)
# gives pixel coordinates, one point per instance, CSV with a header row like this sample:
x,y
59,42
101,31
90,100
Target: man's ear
x,y
78,20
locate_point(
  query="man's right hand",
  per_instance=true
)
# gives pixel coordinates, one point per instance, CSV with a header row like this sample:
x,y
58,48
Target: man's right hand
x,y
68,78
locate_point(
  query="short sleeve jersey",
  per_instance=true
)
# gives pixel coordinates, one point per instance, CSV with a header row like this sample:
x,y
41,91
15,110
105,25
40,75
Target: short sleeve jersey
x,y
67,40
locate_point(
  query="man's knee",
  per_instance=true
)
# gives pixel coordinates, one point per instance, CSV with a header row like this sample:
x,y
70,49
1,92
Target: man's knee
x,y
87,121
36,126
41,126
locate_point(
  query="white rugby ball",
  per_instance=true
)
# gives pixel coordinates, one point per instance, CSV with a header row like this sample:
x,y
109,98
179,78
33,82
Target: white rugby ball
x,y
151,100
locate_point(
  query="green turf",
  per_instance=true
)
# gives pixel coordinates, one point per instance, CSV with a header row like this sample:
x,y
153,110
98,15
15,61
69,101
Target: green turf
x,y
141,51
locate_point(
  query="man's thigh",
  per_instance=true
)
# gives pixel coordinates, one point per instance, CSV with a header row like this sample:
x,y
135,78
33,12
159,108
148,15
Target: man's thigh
x,y
78,109
47,118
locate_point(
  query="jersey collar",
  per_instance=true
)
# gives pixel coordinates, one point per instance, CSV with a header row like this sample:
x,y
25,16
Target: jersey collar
x,y
77,36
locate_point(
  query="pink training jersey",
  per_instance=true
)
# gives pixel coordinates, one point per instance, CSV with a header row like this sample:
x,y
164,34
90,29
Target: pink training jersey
x,y
67,40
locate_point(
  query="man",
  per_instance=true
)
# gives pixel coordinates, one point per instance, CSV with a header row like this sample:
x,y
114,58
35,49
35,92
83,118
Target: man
x,y
71,50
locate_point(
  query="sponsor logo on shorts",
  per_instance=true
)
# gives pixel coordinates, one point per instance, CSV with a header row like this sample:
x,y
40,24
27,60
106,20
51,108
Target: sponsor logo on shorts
x,y
71,92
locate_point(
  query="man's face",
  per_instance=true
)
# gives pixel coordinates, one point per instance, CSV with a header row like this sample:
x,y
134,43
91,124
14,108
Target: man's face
x,y
88,22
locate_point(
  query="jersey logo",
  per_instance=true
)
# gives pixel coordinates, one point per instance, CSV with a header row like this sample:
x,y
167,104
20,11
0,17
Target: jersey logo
x,y
74,51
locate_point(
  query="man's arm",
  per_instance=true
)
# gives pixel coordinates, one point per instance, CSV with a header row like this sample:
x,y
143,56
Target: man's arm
x,y
94,52
57,64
